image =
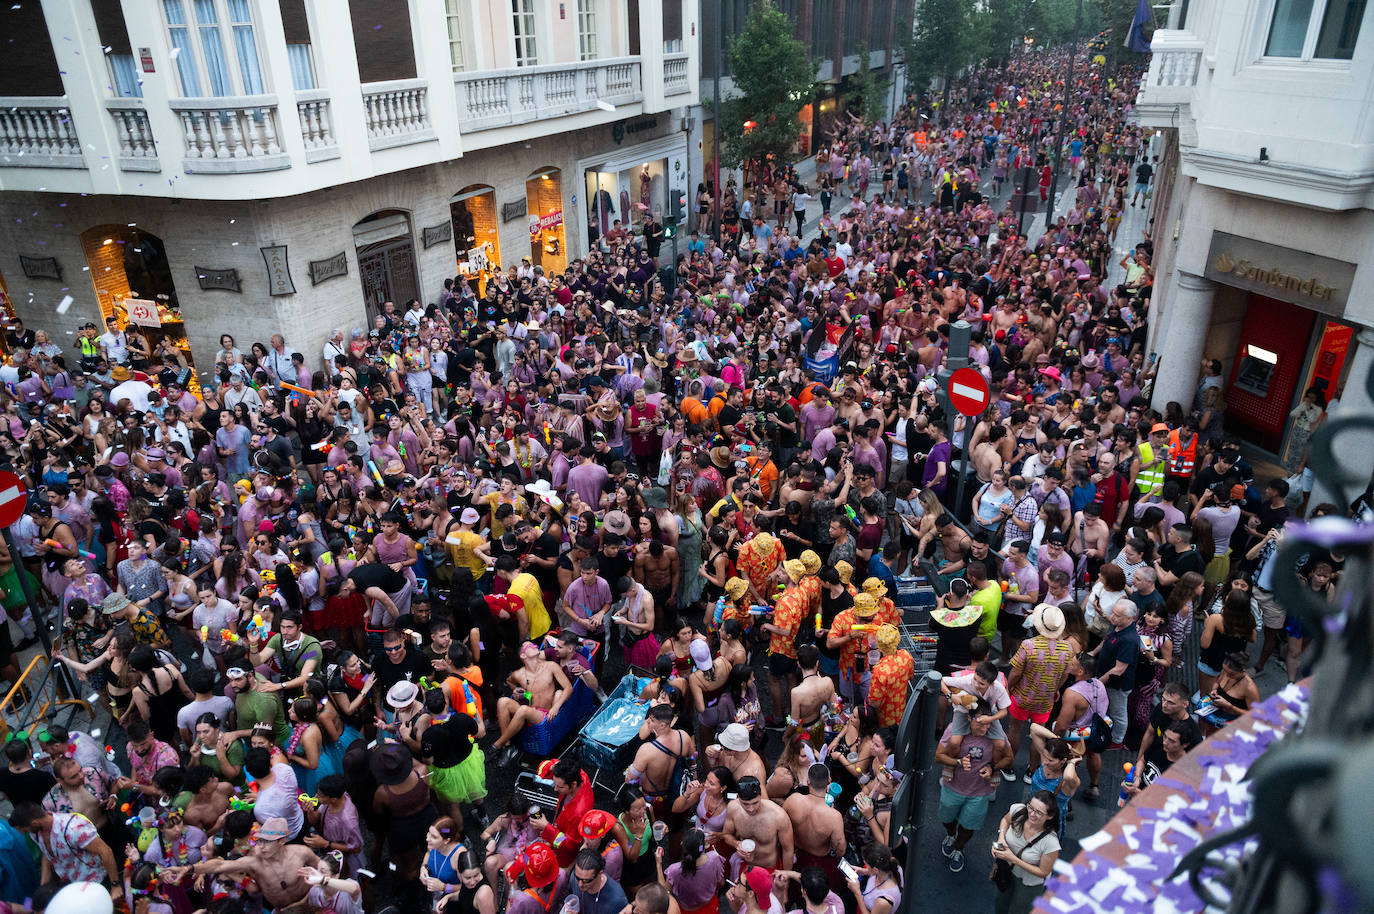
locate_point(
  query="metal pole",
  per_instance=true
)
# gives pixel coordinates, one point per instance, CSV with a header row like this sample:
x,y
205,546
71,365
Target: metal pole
x,y
955,358
1059,122
715,124
40,622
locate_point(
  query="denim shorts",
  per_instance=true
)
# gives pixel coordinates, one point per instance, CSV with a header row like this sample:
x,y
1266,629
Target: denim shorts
x,y
969,812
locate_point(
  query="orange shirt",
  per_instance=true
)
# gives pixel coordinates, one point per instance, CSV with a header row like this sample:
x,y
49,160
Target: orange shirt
x,y
765,473
887,687
788,614
694,410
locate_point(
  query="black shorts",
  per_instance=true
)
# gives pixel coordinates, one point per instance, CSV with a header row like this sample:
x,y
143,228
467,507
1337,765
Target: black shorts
x,y
782,665
1010,623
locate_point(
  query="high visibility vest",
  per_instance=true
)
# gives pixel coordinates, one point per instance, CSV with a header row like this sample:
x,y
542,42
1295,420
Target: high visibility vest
x,y
1150,479
1182,458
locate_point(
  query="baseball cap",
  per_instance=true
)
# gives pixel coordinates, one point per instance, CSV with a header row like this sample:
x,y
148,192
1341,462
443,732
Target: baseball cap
x,y
1056,539
760,882
701,655
1159,427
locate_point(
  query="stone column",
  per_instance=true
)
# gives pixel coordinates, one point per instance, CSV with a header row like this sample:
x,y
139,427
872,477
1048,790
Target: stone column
x,y
1188,314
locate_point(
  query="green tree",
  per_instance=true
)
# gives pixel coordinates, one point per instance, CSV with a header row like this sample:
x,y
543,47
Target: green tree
x,y
774,77
941,45
868,90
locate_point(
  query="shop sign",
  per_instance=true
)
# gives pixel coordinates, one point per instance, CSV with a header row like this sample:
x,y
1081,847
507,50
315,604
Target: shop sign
x,y
513,210
278,272
544,223
40,267
320,270
436,234
145,58
625,128
210,278
1309,280
143,312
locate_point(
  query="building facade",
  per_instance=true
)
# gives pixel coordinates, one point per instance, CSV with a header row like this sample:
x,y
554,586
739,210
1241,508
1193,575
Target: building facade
x,y
1262,214
258,166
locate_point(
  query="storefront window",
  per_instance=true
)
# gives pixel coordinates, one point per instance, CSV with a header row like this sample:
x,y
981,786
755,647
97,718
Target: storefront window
x,y
476,240
626,193
544,203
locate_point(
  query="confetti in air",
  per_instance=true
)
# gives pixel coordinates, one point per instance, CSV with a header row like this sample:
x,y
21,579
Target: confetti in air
x,y
64,304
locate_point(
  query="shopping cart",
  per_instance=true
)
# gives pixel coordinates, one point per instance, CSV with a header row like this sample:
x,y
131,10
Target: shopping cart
x,y
607,741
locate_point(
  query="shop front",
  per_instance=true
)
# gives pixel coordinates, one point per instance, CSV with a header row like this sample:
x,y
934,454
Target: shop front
x,y
544,206
642,181
133,284
476,235
1291,335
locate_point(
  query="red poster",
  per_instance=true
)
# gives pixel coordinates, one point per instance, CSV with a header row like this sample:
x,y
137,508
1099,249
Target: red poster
x,y
1330,359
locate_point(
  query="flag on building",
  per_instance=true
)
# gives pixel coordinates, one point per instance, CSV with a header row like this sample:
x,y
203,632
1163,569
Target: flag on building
x,y
1135,38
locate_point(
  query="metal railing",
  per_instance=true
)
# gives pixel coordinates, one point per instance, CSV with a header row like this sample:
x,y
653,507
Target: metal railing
x,y
32,697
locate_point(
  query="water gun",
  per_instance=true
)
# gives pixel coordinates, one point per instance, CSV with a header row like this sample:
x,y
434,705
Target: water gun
x,y
720,611
548,433
294,389
229,637
864,627
323,447
376,474
401,448
257,625
850,513
237,803
1082,733
760,609
832,793
1124,797
204,633
307,800
54,544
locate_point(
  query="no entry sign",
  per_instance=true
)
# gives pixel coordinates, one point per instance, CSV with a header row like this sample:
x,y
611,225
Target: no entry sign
x,y
13,498
968,392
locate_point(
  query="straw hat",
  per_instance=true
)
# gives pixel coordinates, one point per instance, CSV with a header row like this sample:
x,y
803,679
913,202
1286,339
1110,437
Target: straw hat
x,y
844,570
876,587
888,638
736,588
795,569
865,605
810,560
720,457
1048,620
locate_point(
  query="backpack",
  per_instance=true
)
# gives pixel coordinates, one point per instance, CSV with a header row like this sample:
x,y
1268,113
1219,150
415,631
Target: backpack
x,y
1101,736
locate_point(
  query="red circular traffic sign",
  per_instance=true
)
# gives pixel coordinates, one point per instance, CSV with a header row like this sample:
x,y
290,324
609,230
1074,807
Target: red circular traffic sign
x,y
13,498
968,392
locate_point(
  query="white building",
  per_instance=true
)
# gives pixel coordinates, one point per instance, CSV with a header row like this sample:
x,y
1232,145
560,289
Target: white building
x,y
288,165
1263,228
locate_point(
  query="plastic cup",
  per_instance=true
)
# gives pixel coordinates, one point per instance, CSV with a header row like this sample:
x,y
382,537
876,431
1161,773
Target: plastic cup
x,y
748,845
660,829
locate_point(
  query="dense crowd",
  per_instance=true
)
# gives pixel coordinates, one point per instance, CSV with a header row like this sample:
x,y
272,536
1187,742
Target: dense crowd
x,y
333,598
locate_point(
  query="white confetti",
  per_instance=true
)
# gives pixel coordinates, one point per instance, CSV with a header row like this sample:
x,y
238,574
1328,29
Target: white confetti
x,y
64,304
1094,841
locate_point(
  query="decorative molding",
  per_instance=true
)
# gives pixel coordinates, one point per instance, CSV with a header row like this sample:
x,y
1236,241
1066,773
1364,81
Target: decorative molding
x,y
41,267
211,278
278,270
320,270
1302,185
436,234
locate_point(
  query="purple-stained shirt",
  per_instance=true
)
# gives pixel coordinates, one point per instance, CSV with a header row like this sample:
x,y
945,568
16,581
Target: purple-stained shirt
x,y
583,601
586,480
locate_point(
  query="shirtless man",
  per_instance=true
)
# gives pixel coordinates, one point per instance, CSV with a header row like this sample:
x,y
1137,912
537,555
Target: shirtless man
x,y
752,818
733,752
273,864
812,694
209,798
986,457
817,826
654,763
85,795
538,689
657,568
1089,535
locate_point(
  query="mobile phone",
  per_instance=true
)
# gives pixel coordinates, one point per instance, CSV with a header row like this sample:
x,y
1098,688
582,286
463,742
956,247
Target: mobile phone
x,y
848,870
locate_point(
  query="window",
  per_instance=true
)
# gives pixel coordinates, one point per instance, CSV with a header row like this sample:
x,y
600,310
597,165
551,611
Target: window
x,y
522,20
214,47
296,28
1315,29
457,10
586,29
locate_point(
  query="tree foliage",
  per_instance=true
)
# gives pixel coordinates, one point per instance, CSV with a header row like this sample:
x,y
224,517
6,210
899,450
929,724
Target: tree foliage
x,y
774,77
868,90
939,45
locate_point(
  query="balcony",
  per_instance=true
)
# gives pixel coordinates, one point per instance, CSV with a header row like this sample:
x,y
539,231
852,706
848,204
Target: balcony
x,y
1168,87
230,135
137,148
397,113
497,98
317,128
38,133
675,74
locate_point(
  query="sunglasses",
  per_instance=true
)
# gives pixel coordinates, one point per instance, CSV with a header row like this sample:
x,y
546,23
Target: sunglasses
x,y
393,648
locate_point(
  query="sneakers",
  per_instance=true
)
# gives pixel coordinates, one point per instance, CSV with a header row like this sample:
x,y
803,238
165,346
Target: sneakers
x,y
947,845
1025,777
1091,794
956,861
1009,775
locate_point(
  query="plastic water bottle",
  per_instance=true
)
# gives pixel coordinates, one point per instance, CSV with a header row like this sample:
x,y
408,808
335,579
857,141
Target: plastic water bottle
x,y
1124,797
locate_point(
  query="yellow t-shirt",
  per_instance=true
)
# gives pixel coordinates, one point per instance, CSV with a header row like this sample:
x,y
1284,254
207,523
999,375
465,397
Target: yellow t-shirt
x,y
461,545
990,598
526,587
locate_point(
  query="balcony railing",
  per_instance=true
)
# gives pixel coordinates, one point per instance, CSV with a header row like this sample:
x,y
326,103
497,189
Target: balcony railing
x,y
317,127
397,113
497,98
137,148
675,74
38,133
232,135
1175,65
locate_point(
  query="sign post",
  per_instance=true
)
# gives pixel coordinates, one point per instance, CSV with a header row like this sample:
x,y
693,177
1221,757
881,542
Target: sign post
x,y
955,359
13,497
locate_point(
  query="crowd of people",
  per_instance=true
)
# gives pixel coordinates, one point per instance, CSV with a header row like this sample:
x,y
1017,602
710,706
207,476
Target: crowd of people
x,y
334,602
